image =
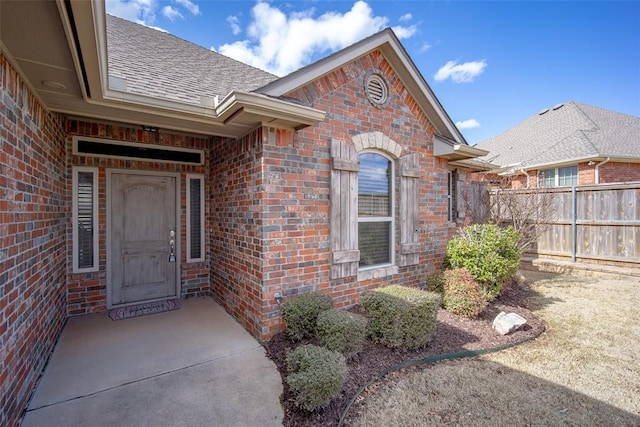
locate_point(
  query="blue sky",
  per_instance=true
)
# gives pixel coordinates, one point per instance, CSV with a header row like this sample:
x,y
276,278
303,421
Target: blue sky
x,y
491,64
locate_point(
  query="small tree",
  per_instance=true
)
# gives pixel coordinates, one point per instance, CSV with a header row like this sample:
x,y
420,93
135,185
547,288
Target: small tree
x,y
530,212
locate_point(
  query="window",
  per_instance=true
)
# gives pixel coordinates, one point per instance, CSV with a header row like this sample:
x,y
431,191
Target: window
x,y
195,218
452,198
375,210
85,219
558,177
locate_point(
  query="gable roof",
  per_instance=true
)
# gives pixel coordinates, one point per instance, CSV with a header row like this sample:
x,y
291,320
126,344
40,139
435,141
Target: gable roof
x,y
566,133
149,62
388,44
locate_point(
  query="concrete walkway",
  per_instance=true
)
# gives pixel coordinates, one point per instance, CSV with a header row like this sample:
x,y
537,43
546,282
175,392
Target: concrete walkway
x,y
190,367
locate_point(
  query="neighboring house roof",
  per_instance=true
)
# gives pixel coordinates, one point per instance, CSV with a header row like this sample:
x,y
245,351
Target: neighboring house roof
x,y
566,133
153,63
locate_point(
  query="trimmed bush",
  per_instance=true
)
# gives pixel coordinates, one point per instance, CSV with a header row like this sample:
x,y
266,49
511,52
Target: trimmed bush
x,y
401,317
315,375
462,294
488,252
339,330
435,282
300,314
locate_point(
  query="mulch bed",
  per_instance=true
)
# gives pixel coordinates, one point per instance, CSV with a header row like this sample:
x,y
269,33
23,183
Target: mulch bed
x,y
452,334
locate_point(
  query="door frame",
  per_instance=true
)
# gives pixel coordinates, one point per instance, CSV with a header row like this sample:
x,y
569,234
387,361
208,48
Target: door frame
x,y
109,173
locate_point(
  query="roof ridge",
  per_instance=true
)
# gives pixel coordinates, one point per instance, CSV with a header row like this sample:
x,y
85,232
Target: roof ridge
x,y
583,132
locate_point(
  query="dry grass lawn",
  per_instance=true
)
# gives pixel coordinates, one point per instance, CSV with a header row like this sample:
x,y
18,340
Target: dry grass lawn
x,y
584,370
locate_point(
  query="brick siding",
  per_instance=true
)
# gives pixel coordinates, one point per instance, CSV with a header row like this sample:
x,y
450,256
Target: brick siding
x,y
619,172
297,176
34,210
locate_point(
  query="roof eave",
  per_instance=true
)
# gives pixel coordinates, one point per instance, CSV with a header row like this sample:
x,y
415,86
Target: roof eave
x,y
452,151
241,106
238,110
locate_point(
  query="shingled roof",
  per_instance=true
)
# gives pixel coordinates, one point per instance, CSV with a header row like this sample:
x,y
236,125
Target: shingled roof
x,y
148,62
565,133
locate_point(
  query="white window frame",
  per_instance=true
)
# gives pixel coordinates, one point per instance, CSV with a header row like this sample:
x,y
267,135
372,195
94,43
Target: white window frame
x,y
556,176
390,219
450,199
74,233
199,177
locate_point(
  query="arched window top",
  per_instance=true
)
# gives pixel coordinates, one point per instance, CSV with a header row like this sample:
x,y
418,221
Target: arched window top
x,y
377,141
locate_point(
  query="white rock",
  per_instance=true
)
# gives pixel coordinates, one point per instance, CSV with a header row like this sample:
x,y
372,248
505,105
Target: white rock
x,y
506,323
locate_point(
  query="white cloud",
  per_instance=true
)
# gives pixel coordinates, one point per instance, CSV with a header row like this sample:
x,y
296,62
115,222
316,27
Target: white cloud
x,y
157,28
468,124
405,32
460,73
406,17
190,6
171,13
280,44
234,23
141,11
425,47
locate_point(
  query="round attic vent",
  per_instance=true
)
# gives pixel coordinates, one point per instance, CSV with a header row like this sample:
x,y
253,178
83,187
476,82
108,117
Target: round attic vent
x,y
377,91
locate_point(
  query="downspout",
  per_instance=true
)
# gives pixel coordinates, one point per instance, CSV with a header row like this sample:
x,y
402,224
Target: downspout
x,y
598,169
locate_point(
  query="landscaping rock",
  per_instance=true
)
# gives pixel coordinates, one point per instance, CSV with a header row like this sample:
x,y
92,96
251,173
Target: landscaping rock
x,y
506,323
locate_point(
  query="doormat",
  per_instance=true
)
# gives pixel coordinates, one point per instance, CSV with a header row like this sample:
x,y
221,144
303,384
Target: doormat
x,y
143,309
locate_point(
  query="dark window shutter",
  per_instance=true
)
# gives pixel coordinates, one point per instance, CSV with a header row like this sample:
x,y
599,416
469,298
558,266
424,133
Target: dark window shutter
x,y
345,255
85,220
195,219
410,246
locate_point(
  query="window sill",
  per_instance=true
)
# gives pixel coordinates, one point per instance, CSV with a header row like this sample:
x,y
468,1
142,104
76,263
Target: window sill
x,y
376,273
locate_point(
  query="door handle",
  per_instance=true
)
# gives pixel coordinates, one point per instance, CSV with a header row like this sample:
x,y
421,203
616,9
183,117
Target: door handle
x,y
172,246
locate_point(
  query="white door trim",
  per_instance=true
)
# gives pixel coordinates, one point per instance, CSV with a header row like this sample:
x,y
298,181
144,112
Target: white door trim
x,y
109,173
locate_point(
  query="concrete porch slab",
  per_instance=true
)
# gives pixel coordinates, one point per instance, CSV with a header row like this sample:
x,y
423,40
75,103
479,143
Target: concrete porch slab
x,y
193,366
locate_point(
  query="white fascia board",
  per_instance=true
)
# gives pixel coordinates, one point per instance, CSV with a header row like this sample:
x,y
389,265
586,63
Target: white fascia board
x,y
574,161
443,147
268,106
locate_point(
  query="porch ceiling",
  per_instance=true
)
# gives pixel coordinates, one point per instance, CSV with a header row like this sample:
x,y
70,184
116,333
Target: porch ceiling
x,y
59,47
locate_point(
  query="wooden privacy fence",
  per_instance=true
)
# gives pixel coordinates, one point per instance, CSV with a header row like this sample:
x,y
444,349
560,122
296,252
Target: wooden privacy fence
x,y
599,223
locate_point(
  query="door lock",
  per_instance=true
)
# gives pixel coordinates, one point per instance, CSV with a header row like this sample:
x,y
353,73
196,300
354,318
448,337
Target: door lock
x,y
172,246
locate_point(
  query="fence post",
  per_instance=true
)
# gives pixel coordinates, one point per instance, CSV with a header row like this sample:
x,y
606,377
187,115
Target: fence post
x,y
574,213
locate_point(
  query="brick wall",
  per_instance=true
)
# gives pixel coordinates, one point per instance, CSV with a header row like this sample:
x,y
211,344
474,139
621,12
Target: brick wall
x,y
34,209
235,227
619,172
296,183
88,291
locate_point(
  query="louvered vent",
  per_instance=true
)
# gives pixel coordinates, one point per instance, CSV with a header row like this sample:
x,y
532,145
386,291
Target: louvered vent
x,y
376,89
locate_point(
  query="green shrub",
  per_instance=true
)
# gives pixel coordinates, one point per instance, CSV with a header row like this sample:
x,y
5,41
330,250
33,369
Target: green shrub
x,y
401,317
300,314
435,282
342,331
462,294
488,252
315,375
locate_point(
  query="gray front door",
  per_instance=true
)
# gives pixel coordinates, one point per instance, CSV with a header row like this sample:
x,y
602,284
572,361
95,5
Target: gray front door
x,y
143,227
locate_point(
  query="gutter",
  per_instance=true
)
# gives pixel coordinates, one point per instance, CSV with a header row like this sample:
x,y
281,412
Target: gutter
x,y
598,169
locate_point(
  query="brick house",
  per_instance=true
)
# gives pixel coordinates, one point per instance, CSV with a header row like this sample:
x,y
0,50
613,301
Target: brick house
x,y
568,144
136,166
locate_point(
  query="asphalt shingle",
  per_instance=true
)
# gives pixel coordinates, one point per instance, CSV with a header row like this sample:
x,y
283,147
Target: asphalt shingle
x,y
160,65
563,133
